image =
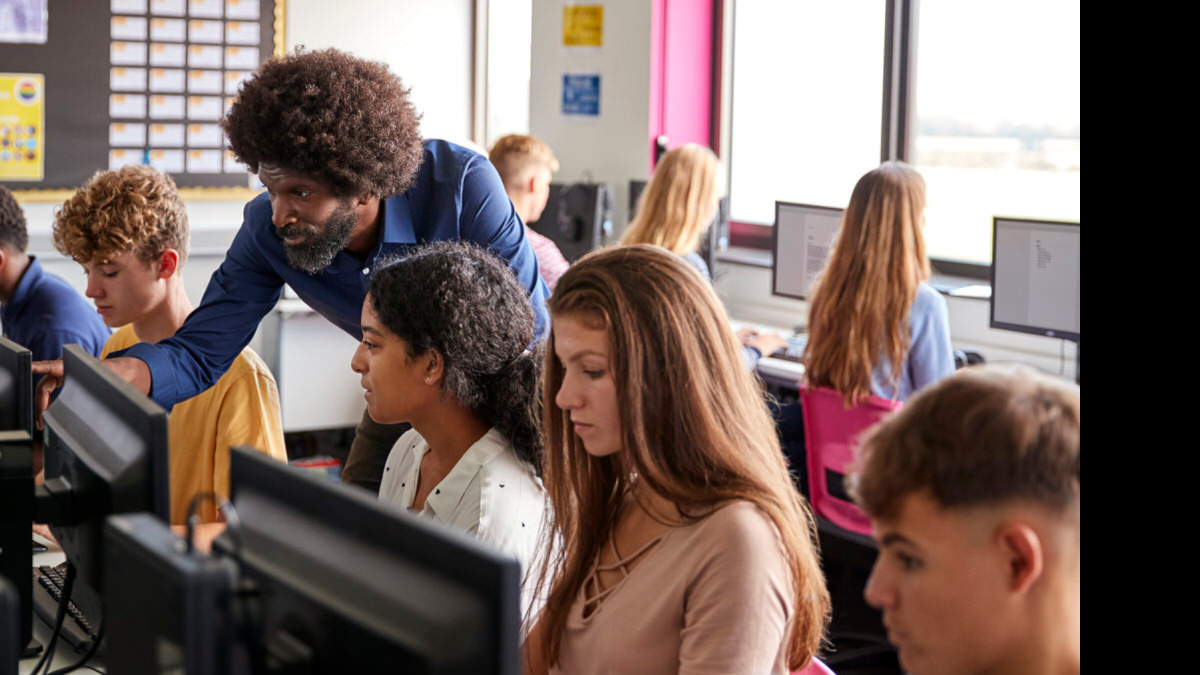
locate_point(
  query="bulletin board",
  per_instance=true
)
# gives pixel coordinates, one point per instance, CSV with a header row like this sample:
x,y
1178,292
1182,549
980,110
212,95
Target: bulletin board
x,y
130,82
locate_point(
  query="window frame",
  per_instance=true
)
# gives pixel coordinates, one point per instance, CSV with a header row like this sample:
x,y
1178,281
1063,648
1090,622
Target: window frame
x,y
899,77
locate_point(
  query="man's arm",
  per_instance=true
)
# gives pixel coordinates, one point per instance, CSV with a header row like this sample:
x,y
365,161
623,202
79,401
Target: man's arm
x,y
241,292
488,218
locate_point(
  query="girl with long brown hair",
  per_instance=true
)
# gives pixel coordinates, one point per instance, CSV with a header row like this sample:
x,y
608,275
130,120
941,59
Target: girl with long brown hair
x,y
875,326
685,547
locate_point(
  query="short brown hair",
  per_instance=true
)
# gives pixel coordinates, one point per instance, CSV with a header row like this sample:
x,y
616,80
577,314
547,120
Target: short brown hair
x,y
988,435
135,208
515,154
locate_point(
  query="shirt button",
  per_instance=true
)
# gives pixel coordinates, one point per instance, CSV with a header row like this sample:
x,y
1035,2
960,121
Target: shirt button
x,y
366,270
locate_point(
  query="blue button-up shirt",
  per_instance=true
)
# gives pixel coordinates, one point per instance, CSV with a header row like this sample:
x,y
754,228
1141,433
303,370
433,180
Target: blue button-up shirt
x,y
456,194
46,313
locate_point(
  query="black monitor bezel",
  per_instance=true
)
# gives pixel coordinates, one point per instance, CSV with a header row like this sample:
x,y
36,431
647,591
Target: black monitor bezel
x,y
83,527
775,244
359,515
23,380
1014,327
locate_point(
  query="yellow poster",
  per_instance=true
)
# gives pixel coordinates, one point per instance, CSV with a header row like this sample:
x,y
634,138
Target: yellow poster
x,y
22,126
583,25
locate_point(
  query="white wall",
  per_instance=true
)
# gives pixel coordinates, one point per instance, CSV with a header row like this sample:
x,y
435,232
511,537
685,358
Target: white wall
x,y
614,148
428,43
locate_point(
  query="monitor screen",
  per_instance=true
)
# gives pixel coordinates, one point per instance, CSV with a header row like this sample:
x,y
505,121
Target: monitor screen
x,y
1035,277
106,453
349,584
803,236
16,388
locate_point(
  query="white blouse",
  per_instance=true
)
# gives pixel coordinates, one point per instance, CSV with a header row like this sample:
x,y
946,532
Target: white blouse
x,y
489,493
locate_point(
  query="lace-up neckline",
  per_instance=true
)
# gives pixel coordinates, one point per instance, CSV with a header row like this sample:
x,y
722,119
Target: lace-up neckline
x,y
591,584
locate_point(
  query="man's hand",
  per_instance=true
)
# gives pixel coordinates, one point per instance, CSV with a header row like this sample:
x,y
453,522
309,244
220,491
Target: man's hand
x,y
134,371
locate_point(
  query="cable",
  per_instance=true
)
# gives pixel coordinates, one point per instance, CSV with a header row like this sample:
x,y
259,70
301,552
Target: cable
x,y
86,657
63,601
234,524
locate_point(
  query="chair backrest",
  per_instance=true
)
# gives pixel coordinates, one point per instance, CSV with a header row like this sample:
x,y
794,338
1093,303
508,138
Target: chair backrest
x,y
831,432
814,667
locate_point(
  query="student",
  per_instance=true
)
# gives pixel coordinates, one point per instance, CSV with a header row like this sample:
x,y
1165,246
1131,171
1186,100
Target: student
x,y
676,209
336,141
875,325
686,548
129,230
973,489
445,331
526,166
40,312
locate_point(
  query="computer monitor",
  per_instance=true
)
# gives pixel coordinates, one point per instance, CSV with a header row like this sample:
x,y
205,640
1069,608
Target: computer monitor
x,y
802,240
10,642
577,217
172,608
16,483
106,452
346,584
16,387
1035,277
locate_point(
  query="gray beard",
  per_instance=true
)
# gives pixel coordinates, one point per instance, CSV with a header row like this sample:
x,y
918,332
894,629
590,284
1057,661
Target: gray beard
x,y
314,255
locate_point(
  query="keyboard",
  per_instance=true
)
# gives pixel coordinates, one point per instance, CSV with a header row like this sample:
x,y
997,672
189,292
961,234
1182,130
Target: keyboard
x,y
47,590
795,348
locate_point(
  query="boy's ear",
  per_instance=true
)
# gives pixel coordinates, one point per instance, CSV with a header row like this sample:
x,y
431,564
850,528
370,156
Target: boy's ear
x,y
3,257
1026,555
168,263
532,185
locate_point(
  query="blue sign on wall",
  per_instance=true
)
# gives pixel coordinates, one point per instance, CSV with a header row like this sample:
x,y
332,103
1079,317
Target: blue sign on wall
x,y
581,95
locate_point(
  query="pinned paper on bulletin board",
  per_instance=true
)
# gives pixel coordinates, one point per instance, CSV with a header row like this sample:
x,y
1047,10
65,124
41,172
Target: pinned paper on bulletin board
x,y
583,25
22,126
581,95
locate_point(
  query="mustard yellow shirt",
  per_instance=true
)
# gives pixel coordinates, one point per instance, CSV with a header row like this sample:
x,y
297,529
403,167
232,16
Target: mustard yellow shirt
x,y
242,408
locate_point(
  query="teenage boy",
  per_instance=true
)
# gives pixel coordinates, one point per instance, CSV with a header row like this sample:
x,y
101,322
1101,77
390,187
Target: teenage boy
x,y
40,311
336,141
973,490
526,166
129,230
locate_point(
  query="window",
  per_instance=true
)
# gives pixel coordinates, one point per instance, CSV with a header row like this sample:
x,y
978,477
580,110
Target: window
x,y
509,40
996,118
987,108
807,82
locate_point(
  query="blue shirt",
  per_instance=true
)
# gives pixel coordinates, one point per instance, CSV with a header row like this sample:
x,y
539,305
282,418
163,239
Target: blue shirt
x,y
45,313
930,356
456,194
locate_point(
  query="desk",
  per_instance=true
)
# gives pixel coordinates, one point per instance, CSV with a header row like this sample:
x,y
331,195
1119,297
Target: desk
x,y
63,655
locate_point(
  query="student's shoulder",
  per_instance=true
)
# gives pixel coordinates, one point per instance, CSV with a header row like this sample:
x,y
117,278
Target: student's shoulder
x,y
248,367
928,301
738,525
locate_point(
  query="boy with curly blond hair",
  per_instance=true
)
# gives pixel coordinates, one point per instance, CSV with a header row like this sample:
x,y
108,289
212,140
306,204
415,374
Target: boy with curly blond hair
x,y
129,230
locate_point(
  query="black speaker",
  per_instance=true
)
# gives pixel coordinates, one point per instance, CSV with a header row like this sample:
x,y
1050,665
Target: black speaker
x,y
577,217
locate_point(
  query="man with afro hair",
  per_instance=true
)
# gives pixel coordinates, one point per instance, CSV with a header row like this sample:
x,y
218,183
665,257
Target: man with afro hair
x,y
336,141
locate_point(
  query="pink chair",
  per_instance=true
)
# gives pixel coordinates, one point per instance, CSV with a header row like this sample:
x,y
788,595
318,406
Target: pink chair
x,y
815,667
831,432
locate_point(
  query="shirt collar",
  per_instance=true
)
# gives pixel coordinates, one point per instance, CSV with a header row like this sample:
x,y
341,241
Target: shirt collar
x,y
29,280
397,221
447,494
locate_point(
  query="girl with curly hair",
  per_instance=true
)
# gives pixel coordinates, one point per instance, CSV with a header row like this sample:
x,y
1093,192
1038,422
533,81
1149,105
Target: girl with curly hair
x,y
445,330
